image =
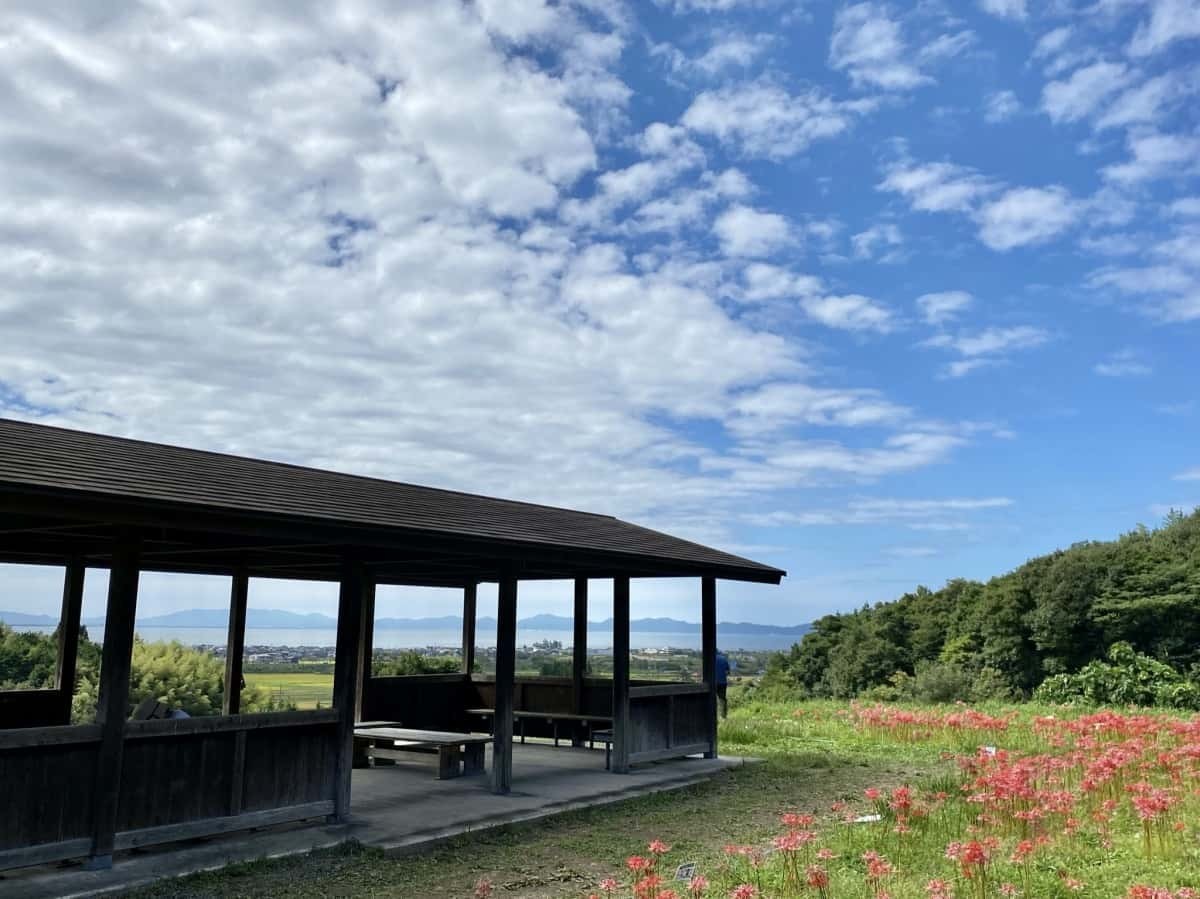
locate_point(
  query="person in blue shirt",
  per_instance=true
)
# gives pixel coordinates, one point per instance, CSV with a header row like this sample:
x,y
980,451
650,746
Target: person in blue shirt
x,y
723,668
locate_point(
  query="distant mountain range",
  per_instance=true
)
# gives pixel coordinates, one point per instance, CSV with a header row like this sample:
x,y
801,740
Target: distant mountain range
x,y
278,618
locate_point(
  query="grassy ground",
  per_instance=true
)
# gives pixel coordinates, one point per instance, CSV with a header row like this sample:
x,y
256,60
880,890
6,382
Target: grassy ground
x,y
815,756
304,690
568,855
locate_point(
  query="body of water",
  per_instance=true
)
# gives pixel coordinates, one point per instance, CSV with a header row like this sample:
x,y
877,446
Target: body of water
x,y
416,639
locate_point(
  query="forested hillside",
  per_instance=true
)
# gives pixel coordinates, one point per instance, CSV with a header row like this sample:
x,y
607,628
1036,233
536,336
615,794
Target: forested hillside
x,y
1053,615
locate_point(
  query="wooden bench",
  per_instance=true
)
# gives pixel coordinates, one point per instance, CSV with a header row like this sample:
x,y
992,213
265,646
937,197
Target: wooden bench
x,y
551,718
458,754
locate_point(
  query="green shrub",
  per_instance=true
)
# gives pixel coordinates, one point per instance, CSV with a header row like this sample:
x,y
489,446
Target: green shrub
x,y
1126,678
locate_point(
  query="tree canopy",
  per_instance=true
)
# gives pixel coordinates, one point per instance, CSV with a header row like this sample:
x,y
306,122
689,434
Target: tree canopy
x,y
1053,615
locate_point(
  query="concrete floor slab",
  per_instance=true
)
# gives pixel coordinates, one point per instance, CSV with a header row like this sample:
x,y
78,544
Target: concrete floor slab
x,y
398,809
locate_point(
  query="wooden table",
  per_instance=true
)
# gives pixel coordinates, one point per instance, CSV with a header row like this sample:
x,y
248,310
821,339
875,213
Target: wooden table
x,y
552,718
458,754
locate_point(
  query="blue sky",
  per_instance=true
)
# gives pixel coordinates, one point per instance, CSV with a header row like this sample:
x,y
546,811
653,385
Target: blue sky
x,y
882,294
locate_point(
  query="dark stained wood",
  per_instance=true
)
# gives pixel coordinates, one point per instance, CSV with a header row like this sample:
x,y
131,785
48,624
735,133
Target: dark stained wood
x,y
135,730
92,478
237,778
708,655
209,827
579,653
657,755
30,709
55,735
235,644
68,637
470,601
44,853
47,795
366,648
641,692
113,705
506,666
351,594
620,685
290,766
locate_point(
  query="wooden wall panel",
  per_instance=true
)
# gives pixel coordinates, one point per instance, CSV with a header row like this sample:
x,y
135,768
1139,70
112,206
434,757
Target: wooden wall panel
x,y
289,766
170,780
48,793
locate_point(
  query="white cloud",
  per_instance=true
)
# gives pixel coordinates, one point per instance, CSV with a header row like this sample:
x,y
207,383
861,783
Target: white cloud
x,y
879,240
939,308
918,514
1007,9
937,186
1122,364
912,552
1186,207
851,312
763,119
1191,474
868,45
985,348
1169,292
768,282
1026,215
1079,95
1053,42
1156,156
733,51
947,46
1145,104
1000,107
744,231
781,405
1170,21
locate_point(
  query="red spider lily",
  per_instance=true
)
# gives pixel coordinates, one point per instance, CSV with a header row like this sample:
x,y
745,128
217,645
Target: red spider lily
x,y
939,889
743,891
483,888
697,885
796,821
658,847
609,885
647,887
636,863
817,878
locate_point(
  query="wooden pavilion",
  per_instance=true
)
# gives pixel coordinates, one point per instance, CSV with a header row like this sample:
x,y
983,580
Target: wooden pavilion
x,y
81,500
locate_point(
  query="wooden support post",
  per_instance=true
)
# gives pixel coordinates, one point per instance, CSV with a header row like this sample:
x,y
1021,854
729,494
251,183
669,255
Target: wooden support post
x,y
506,666
470,596
620,711
708,656
366,649
579,654
68,638
112,709
345,678
235,644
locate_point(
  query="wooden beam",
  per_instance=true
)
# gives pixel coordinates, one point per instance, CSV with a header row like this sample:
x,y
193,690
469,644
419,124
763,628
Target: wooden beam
x,y
235,644
68,638
366,647
206,827
579,654
112,709
506,668
470,602
345,678
708,655
621,722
